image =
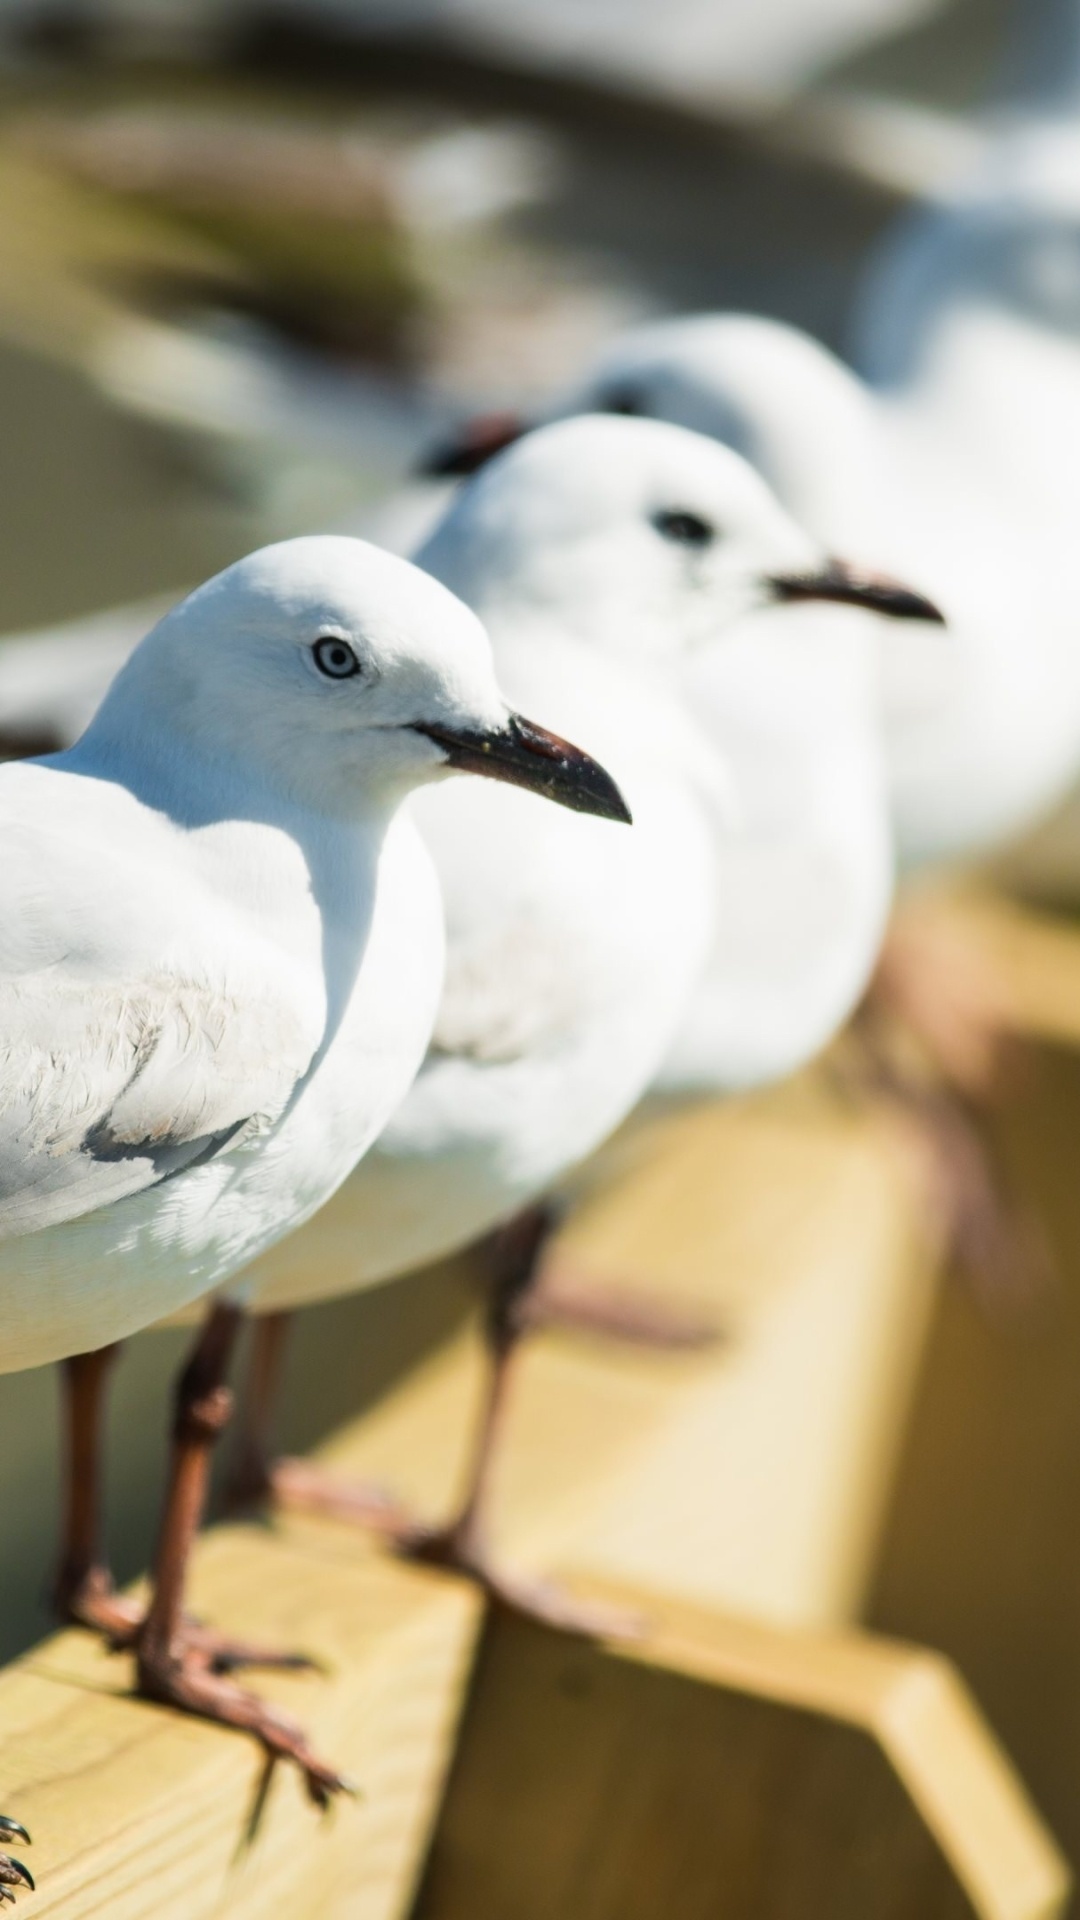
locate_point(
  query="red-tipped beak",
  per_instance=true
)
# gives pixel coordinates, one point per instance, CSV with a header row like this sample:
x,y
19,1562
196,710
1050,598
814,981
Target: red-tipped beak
x,y
472,445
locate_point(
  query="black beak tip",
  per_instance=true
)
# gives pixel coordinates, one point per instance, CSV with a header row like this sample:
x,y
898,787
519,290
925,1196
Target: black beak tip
x,y
566,774
619,810
918,607
525,755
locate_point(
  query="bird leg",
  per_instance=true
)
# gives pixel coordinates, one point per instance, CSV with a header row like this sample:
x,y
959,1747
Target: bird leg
x,y
84,1592
249,1480
12,1872
939,1065
463,1546
175,1664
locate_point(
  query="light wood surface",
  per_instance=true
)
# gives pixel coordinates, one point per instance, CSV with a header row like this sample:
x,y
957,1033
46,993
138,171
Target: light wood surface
x,y
753,1475
725,1770
140,1813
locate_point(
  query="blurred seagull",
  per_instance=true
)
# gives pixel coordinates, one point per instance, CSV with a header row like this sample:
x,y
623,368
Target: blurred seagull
x,y
967,326
630,574
981,732
982,735
220,959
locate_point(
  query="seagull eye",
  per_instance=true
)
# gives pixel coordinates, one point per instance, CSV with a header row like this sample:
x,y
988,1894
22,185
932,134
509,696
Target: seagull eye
x,y
335,658
683,528
623,400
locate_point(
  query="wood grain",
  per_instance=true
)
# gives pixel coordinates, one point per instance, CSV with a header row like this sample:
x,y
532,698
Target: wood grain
x,y
139,1812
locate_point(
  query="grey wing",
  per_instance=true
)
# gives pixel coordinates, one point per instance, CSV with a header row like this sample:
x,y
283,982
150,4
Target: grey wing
x,y
107,1090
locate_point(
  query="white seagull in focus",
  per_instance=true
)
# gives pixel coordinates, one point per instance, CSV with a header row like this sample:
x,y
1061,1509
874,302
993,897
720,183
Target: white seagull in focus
x,y
221,953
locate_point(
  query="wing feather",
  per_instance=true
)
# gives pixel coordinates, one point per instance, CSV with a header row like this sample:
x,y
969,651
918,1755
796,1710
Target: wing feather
x,y
106,1090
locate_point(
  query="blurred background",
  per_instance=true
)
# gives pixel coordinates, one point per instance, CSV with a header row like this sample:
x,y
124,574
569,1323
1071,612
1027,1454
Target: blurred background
x,y
253,258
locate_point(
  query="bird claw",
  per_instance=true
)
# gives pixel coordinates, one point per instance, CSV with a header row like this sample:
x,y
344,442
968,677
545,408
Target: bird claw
x,y
185,1679
12,1872
529,1596
94,1604
301,1484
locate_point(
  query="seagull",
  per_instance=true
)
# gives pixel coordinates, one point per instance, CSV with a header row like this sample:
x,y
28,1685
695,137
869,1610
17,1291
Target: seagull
x,y
631,574
220,960
967,325
981,732
982,736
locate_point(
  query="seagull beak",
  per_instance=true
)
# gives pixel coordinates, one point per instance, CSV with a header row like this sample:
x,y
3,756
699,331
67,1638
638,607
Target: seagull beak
x,y
877,591
528,756
471,446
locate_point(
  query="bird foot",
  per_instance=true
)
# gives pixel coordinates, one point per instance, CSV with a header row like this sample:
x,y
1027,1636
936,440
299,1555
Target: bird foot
x,y
301,1485
94,1603
306,1488
993,1239
530,1596
564,1301
13,1875
90,1600
185,1677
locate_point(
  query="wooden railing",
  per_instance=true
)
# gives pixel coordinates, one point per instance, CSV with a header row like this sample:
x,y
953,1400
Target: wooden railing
x,y
753,1754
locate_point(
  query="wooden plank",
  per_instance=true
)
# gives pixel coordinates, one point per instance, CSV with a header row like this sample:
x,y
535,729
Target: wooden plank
x,y
795,1221
142,1813
753,1476
981,1551
792,1223
726,1769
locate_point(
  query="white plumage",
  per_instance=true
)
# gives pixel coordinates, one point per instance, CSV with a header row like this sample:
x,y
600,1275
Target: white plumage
x,y
981,730
222,948
581,968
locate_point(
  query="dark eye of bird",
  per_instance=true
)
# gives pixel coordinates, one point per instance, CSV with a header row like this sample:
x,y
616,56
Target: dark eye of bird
x,y
335,658
684,528
623,400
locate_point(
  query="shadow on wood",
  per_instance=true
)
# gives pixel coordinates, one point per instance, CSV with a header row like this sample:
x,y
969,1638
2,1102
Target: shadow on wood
x,y
725,1771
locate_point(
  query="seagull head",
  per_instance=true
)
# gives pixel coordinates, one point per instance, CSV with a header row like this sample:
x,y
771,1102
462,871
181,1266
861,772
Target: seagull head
x,y
637,535
767,390
334,674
